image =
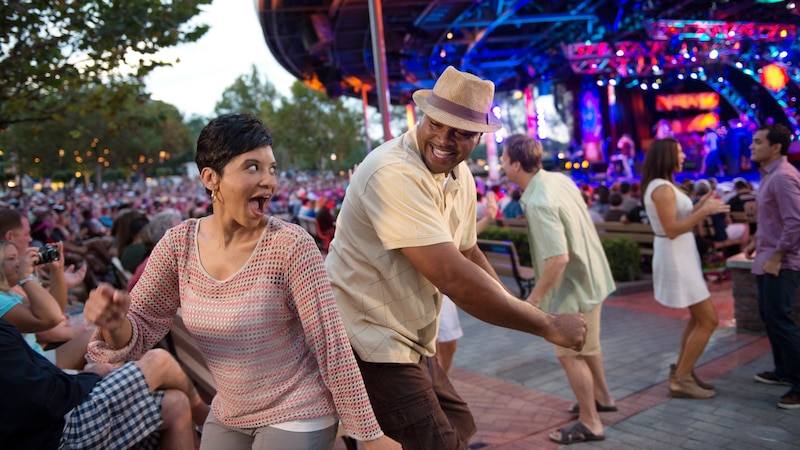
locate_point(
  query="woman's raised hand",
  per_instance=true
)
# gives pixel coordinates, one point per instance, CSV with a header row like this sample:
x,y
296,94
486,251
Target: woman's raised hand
x,y
107,307
711,204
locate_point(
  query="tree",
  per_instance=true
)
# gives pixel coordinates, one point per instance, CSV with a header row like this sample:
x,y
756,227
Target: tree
x,y
51,51
137,135
309,128
250,94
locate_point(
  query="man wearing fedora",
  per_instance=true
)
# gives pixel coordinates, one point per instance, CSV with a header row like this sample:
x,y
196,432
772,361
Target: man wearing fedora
x,y
405,237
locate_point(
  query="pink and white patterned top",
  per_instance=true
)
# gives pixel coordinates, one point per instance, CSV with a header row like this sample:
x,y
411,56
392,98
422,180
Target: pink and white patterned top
x,y
271,333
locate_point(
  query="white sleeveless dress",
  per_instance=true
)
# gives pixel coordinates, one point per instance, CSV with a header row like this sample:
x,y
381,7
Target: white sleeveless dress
x,y
677,271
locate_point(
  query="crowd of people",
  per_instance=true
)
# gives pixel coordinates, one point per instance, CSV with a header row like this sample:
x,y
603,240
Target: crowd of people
x,y
300,343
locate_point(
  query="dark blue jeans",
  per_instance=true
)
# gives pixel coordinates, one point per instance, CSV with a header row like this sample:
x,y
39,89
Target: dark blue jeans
x,y
776,296
416,405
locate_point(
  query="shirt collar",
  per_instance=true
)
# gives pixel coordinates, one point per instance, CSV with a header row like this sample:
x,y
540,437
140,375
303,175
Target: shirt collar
x,y
769,168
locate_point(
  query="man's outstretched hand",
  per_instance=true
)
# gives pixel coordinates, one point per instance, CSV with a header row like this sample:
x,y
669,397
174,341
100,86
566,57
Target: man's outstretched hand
x,y
568,330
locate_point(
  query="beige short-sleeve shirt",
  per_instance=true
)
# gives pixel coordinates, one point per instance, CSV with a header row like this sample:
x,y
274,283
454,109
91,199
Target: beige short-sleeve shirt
x,y
389,308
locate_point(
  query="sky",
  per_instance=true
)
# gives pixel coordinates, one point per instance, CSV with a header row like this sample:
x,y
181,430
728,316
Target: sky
x,y
232,45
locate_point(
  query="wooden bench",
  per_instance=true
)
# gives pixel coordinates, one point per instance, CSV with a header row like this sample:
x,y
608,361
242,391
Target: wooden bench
x,y
311,225
514,224
502,255
641,233
184,348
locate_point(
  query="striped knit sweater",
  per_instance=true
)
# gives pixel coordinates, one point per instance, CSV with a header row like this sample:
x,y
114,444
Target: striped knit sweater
x,y
271,333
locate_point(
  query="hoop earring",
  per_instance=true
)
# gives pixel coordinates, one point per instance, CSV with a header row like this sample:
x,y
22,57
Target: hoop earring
x,y
217,197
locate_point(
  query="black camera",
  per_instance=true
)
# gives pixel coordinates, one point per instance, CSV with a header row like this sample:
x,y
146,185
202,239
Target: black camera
x,y
48,253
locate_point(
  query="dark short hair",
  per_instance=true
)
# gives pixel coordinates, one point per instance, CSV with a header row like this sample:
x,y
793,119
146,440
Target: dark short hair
x,y
525,150
10,219
227,137
778,134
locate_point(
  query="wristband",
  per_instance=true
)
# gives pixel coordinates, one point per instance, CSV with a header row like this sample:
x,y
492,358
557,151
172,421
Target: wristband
x,y
25,280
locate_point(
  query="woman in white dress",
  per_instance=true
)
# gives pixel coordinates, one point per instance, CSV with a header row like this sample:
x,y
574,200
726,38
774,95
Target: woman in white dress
x,y
677,273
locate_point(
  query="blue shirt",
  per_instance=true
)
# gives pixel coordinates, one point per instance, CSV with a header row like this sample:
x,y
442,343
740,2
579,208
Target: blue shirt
x,y
9,300
512,210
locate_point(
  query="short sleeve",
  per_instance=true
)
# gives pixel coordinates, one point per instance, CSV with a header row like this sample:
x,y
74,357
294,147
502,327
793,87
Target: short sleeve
x,y
547,231
403,209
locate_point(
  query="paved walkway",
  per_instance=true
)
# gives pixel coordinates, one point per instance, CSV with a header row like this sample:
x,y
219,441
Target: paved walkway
x,y
519,393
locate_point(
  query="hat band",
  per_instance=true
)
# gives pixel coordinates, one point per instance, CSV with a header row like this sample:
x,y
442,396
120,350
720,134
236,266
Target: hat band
x,y
458,110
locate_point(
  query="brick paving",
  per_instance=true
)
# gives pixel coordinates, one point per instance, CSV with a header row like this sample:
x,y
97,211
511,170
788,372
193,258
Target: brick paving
x,y
519,393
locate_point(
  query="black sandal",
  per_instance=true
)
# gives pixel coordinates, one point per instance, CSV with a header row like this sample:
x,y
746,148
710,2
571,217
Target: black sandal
x,y
575,409
577,432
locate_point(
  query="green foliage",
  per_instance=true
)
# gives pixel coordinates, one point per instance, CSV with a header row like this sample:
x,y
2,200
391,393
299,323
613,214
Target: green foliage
x,y
623,257
312,127
307,128
91,134
63,175
114,174
622,253
164,171
54,50
249,94
519,238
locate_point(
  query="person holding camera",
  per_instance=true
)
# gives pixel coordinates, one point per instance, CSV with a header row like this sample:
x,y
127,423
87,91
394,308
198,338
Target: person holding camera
x,y
41,311
54,279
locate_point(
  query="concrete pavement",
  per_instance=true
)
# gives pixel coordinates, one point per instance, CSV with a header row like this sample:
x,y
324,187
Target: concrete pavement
x,y
519,393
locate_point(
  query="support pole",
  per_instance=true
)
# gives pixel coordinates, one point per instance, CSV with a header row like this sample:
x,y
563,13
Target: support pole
x,y
379,60
365,106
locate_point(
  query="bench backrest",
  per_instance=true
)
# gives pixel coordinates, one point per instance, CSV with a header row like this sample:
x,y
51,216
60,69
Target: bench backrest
x,y
641,233
309,224
515,224
184,349
502,255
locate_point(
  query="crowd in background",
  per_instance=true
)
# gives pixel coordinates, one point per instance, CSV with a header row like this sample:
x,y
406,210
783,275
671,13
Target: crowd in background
x,y
88,220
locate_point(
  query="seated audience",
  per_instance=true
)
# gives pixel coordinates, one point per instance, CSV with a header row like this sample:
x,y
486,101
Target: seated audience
x,y
615,214
628,199
129,244
743,195
596,217
327,223
601,201
157,227
149,403
70,339
513,210
39,311
721,226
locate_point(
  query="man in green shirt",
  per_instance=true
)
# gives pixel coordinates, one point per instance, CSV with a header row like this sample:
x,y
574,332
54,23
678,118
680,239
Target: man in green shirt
x,y
572,275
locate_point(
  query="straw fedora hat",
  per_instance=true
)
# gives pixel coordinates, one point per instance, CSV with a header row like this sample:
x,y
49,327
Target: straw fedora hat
x,y
460,100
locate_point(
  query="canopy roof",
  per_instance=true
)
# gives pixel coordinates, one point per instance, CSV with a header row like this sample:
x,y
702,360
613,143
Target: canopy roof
x,y
327,43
